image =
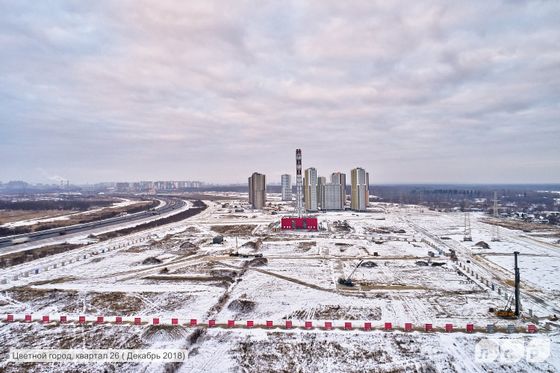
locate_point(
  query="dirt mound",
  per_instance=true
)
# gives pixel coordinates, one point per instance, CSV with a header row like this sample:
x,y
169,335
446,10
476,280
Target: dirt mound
x,y
306,246
241,229
223,273
116,302
422,263
188,245
258,262
151,260
482,245
158,333
253,245
368,264
242,305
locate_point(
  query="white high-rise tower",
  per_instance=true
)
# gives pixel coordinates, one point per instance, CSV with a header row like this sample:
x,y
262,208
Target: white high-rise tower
x,y
286,182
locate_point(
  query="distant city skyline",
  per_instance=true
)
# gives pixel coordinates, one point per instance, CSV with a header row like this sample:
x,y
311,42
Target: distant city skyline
x,y
414,92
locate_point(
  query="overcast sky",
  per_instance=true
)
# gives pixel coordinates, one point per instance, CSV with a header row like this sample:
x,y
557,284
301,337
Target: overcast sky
x,y
431,91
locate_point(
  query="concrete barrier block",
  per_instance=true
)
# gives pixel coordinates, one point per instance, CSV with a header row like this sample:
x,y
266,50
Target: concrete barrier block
x,y
490,328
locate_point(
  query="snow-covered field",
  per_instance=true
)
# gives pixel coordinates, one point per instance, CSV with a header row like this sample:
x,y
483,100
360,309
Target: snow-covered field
x,y
176,271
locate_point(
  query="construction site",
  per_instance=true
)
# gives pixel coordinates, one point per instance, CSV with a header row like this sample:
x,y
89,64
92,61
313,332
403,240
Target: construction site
x,y
396,288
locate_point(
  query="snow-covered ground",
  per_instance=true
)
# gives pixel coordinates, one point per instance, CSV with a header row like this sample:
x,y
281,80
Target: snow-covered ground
x,y
176,271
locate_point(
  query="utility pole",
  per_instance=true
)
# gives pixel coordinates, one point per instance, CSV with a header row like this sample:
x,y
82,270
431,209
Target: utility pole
x,y
495,227
467,235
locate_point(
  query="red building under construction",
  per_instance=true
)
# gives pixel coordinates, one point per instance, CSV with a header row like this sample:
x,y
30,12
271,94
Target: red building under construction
x,y
299,223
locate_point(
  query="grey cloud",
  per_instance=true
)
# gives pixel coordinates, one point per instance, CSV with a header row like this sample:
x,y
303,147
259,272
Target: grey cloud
x,y
215,90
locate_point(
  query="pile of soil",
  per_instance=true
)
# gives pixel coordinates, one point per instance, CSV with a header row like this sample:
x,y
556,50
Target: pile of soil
x,y
482,245
151,260
241,229
223,273
258,262
167,333
368,264
242,305
253,245
438,264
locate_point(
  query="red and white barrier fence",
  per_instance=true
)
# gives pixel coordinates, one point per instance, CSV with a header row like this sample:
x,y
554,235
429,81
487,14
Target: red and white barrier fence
x,y
268,324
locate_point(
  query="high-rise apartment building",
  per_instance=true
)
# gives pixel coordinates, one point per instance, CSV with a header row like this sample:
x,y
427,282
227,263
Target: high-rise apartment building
x,y
310,189
286,182
257,190
321,181
360,189
331,197
340,178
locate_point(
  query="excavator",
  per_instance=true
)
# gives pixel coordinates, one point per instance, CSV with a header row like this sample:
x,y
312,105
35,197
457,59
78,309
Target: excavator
x,y
348,281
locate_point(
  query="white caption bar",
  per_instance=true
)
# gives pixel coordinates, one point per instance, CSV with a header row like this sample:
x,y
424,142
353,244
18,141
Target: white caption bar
x,y
97,356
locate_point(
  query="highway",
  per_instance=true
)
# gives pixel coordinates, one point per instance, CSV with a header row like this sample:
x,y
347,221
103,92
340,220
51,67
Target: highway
x,y
168,205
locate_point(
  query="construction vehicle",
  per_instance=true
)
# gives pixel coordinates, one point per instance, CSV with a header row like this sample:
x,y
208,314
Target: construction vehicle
x,y
348,281
506,312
